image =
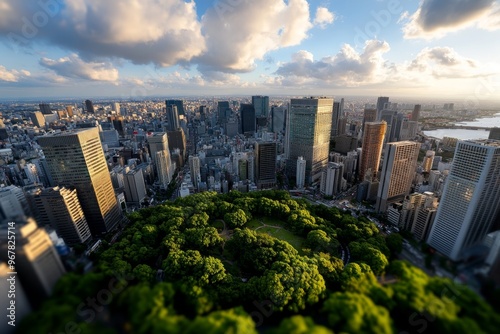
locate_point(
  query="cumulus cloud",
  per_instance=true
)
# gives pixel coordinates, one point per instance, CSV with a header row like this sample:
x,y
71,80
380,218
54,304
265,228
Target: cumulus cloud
x,y
74,67
12,75
323,17
436,18
445,62
163,32
236,36
346,68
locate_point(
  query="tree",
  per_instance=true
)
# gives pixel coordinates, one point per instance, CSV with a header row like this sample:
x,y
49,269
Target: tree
x,y
356,313
298,324
227,321
395,243
236,219
364,252
192,266
203,239
144,273
291,286
329,267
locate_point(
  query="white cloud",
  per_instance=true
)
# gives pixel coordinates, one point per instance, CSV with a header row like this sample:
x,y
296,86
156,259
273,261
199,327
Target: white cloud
x,y
163,32
445,62
237,36
74,67
323,17
436,18
12,75
346,68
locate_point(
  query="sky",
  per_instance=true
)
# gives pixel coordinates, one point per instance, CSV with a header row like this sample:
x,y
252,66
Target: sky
x,y
138,48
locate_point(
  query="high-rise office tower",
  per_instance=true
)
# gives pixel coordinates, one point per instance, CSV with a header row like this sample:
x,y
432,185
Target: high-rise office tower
x,y
398,171
331,179
415,115
471,199
69,111
115,106
179,104
173,117
390,117
76,158
337,114
308,135
38,265
248,122
301,172
265,161
243,169
118,123
45,108
261,105
89,106
382,103
160,154
428,160
494,134
60,208
177,140
134,186
13,204
369,115
373,142
37,119
223,110
278,118
194,167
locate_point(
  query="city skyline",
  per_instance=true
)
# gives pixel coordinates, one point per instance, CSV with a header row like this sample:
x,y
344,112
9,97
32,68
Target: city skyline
x,y
392,48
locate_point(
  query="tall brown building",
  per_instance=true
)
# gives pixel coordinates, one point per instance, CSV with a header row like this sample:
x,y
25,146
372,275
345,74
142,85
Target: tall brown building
x,y
76,158
400,162
373,142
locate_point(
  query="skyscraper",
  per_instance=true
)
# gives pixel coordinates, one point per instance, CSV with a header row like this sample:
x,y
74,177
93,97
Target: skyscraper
x,y
173,117
178,103
248,121
45,108
471,199
301,172
76,158
400,163
428,160
160,154
415,115
37,119
337,114
115,106
60,208
223,110
308,135
373,142
331,180
369,115
382,103
261,105
134,186
278,118
89,106
194,167
265,161
37,263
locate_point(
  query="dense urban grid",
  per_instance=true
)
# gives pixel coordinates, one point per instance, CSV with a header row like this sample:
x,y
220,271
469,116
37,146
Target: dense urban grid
x,y
247,214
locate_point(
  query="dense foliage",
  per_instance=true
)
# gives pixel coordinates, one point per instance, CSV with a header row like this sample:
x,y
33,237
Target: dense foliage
x,y
202,265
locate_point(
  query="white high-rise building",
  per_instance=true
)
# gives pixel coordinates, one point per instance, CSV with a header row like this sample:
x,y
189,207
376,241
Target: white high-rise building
x,y
331,180
471,199
159,152
301,172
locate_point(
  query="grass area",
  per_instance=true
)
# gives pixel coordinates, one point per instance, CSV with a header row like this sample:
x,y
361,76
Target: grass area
x,y
277,232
